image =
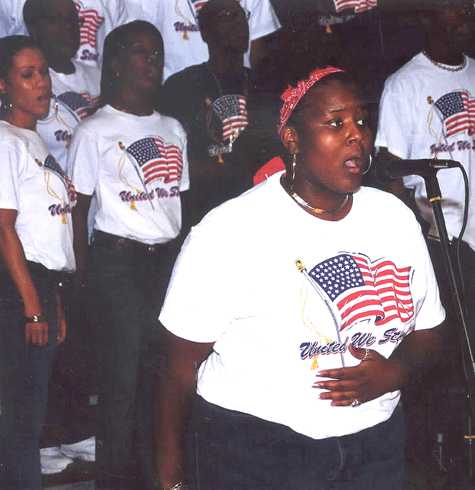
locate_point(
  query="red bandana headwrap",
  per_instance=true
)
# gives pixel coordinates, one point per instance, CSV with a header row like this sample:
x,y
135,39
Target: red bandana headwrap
x,y
292,95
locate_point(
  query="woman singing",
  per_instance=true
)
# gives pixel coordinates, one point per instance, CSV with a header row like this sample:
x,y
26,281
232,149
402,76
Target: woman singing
x,y
36,249
133,160
304,304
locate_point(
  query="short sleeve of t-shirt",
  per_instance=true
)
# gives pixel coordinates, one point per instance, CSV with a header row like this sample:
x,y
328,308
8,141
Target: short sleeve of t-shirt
x,y
83,161
185,176
210,294
10,160
263,19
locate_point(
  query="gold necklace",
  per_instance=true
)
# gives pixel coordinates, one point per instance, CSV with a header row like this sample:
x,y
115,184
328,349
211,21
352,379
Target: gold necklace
x,y
306,205
445,67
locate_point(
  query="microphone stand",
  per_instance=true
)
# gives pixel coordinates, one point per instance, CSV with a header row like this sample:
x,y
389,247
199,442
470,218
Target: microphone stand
x,y
434,196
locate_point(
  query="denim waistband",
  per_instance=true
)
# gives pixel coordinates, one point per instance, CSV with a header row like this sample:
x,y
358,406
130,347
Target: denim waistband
x,y
127,245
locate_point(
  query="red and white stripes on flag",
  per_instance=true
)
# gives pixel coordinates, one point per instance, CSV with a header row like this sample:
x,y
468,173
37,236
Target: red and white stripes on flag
x,y
392,286
91,23
458,112
197,4
231,109
360,289
358,5
157,159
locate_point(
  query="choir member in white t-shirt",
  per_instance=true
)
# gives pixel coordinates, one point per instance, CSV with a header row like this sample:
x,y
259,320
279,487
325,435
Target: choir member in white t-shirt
x,y
297,311
178,23
36,252
133,161
97,19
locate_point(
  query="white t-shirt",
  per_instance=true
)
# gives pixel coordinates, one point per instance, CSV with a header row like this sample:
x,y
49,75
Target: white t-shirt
x,y
101,16
42,194
425,112
136,168
177,22
11,18
76,95
236,283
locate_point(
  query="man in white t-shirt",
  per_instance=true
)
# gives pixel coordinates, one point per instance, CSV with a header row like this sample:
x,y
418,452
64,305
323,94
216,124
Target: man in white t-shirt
x,y
76,87
425,112
97,17
177,22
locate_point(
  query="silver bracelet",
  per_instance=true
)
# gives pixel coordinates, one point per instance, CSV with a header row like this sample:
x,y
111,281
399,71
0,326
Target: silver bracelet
x,y
179,486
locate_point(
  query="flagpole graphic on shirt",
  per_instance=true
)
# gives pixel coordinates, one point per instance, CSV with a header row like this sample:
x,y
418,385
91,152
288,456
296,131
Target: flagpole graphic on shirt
x,y
139,174
301,268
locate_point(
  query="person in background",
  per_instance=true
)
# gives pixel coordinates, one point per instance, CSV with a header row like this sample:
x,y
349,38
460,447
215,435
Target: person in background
x,y
426,112
133,160
97,18
178,23
295,321
36,252
210,100
54,24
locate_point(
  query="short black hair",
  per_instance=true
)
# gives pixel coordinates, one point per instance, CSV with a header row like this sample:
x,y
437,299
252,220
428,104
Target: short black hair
x,y
206,20
35,9
112,45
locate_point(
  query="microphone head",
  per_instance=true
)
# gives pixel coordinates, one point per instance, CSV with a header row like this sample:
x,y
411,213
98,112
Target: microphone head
x,y
385,171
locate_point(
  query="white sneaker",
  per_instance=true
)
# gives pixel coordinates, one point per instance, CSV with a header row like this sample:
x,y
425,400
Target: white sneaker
x,y
85,450
53,460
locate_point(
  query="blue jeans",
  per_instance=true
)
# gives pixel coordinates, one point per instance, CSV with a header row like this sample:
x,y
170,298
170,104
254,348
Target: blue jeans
x,y
126,291
238,451
24,376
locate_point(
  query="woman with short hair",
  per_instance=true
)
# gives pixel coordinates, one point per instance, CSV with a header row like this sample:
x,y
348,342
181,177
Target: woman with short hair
x,y
305,303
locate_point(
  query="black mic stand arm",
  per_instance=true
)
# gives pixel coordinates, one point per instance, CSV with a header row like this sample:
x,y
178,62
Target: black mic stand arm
x,y
434,196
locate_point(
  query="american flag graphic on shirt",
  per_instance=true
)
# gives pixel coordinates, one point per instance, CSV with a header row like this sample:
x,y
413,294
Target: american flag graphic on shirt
x,y
360,289
231,110
51,164
91,21
358,5
157,160
458,112
80,104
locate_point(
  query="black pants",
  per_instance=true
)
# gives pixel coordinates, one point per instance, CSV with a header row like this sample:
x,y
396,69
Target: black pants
x,y
127,288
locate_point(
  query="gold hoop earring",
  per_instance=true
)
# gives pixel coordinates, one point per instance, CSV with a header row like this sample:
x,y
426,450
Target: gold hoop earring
x,y
369,166
294,164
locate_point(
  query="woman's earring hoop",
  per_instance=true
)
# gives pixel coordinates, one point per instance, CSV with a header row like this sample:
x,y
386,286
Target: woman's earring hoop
x,y
294,164
369,166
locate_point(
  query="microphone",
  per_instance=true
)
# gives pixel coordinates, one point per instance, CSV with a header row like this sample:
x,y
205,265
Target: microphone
x,y
387,170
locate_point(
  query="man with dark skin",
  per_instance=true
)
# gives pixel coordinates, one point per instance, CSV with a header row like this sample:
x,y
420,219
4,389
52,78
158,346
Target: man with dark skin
x,y
424,113
55,25
209,100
